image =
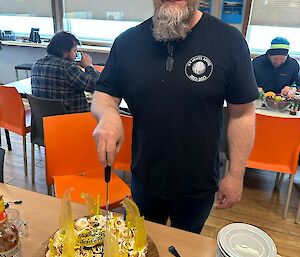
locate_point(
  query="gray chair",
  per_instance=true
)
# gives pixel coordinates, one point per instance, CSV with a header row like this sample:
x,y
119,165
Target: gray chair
x,y
2,153
7,140
24,66
40,108
297,220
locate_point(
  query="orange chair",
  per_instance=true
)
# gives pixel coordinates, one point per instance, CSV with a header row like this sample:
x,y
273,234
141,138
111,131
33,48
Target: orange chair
x,y
72,161
276,148
99,68
123,159
14,117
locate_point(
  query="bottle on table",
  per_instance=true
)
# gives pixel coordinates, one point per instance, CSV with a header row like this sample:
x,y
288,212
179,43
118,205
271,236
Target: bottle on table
x,y
295,105
10,245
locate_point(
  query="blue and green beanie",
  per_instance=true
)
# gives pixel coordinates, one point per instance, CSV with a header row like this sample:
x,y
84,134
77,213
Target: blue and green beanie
x,y
279,46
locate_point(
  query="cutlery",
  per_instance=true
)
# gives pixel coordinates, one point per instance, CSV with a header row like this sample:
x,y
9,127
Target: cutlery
x,y
173,251
107,175
13,202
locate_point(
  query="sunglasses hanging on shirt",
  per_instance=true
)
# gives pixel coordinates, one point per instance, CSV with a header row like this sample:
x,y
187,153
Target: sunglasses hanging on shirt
x,y
170,60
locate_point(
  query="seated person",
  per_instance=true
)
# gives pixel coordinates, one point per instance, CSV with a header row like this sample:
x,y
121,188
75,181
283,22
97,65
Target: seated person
x,y
276,71
58,76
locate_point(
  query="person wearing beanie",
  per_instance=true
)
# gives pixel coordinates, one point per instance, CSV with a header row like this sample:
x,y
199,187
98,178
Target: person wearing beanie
x,y
276,71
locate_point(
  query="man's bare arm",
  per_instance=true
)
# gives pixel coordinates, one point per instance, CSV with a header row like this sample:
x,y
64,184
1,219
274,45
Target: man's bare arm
x,y
109,132
241,131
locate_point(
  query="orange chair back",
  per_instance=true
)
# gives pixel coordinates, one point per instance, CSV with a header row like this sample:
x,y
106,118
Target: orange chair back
x,y
99,68
70,147
277,144
12,113
72,161
123,159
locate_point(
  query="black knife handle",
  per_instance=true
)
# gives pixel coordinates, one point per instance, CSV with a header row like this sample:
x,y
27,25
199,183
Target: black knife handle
x,y
173,251
107,173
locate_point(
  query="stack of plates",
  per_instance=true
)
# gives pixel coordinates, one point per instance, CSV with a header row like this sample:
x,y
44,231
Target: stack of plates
x,y
243,240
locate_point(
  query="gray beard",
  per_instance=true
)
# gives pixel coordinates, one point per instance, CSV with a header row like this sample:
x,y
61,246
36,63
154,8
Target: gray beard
x,y
171,24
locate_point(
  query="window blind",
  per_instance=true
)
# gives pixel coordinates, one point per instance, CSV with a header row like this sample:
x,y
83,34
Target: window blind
x,y
36,8
126,10
278,13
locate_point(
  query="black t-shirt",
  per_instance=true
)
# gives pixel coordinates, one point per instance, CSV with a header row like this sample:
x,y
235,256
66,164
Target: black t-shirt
x,y
274,79
177,114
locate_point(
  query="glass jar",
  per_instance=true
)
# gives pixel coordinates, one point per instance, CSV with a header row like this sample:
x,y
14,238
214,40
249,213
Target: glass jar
x,y
10,245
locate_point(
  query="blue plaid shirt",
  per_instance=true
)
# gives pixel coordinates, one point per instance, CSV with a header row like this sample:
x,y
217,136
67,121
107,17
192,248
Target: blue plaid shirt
x,y
53,77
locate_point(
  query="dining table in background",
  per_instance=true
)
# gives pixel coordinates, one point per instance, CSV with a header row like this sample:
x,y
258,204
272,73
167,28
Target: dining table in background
x,y
23,86
42,214
278,114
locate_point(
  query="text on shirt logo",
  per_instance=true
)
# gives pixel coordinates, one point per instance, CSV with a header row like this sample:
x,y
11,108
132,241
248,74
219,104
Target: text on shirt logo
x,y
199,68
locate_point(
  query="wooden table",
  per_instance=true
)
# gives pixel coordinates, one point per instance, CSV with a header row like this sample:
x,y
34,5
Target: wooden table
x,y
42,213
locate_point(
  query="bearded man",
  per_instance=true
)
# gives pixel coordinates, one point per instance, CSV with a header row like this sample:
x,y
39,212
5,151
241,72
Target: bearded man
x,y
174,71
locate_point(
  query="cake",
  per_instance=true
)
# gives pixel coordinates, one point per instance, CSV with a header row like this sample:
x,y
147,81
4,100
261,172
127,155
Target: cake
x,y
92,236
90,233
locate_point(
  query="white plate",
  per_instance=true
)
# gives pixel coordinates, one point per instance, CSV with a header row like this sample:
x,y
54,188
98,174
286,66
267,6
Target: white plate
x,y
243,240
220,251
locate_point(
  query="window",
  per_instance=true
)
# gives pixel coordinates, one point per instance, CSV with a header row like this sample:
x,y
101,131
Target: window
x,y
21,15
274,18
104,20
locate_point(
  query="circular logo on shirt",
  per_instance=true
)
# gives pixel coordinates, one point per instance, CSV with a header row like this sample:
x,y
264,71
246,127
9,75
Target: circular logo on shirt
x,y
199,68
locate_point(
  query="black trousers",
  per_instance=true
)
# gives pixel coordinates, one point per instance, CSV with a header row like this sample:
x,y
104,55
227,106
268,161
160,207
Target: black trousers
x,y
185,213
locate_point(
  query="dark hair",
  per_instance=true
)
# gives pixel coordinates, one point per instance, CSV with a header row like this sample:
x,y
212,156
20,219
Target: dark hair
x,y
62,42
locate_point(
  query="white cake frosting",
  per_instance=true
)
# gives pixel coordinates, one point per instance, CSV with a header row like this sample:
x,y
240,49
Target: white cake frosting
x,y
90,233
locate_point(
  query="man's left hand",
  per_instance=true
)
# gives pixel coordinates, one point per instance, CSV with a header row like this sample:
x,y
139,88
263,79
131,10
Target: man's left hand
x,y
230,191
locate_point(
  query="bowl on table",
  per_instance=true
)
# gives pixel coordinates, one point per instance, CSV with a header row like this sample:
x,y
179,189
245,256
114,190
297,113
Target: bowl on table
x,y
276,105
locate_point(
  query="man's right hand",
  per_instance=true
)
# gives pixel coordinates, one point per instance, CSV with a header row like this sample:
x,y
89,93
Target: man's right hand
x,y
86,60
109,136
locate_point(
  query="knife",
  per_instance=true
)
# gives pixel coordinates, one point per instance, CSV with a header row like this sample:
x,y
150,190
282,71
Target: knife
x,y
107,175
